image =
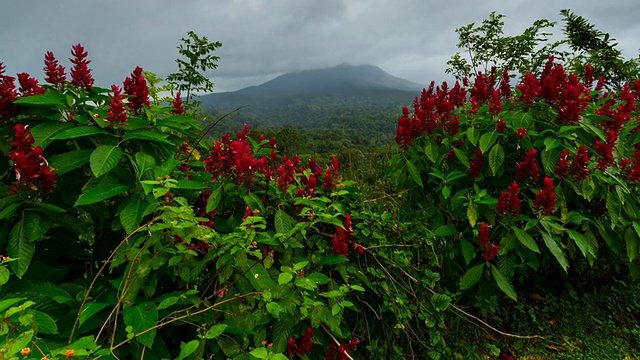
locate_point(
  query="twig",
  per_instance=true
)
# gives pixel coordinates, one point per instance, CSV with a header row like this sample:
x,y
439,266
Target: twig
x,y
386,196
102,268
336,341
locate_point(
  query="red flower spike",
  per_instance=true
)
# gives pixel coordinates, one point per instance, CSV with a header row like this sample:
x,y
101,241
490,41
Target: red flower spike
x,y
178,108
117,113
28,85
8,94
588,76
505,87
509,202
31,168
55,73
80,72
136,87
578,169
521,133
545,201
495,106
483,235
475,164
501,126
528,169
563,165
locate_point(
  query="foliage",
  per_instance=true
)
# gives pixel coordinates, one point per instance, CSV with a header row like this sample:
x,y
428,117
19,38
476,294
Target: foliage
x,y
198,52
537,179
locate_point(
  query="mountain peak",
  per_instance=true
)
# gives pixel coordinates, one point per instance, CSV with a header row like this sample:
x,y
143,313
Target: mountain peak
x,y
338,79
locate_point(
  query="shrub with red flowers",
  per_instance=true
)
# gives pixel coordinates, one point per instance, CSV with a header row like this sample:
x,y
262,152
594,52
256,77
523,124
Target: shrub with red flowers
x,y
557,147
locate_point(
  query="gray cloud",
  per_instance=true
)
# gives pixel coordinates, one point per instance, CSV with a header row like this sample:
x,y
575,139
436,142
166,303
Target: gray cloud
x,y
412,39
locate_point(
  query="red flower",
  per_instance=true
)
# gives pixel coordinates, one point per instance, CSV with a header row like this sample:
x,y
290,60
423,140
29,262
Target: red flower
x,y
501,126
491,252
55,73
136,87
528,169
578,169
475,164
495,106
545,201
483,235
80,73
509,202
28,85
305,343
178,108
505,87
8,94
605,150
117,112
563,164
31,168
521,133
588,75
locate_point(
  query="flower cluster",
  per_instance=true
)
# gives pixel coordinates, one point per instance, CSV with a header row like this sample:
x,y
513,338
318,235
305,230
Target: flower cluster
x,y
80,72
343,238
545,201
509,202
433,109
302,347
577,169
178,108
605,150
341,352
55,73
117,113
501,126
528,170
28,85
136,87
475,164
31,168
8,94
489,251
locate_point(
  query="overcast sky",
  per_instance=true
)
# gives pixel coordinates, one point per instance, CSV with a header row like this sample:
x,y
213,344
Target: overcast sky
x,y
262,39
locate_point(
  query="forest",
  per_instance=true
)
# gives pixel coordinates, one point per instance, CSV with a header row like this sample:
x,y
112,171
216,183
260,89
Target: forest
x,y
497,217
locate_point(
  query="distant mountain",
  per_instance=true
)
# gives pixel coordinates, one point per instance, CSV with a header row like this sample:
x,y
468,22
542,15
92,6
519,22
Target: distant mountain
x,y
345,97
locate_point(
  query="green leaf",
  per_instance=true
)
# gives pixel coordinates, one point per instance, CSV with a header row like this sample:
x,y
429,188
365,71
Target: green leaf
x,y
613,207
168,302
462,157
504,283
473,135
432,150
333,259
187,349
581,242
445,230
487,140
9,210
89,310
440,301
551,143
631,239
472,213
104,158
496,158
43,133
319,278
283,222
20,248
100,193
471,277
145,163
214,200
557,252
260,353
191,185
131,215
79,131
43,323
274,309
36,225
415,174
285,277
526,240
468,251
215,331
20,342
146,134
142,317
65,162
4,275
49,98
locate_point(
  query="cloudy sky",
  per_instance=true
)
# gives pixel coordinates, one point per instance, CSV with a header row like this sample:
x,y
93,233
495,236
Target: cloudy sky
x,y
262,39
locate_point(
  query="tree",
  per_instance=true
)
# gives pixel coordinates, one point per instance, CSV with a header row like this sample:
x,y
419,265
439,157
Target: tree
x,y
190,77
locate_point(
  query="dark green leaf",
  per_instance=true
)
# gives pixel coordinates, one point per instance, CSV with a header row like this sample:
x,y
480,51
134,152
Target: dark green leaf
x,y
471,277
631,239
145,162
496,158
504,283
187,349
526,240
43,133
415,174
319,278
104,158
473,135
20,248
557,252
445,230
440,301
487,140
43,323
468,251
79,131
65,162
131,215
215,331
9,210
100,193
36,225
214,200
145,134
89,310
142,317
462,157
4,275
333,259
283,222
49,98
581,242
